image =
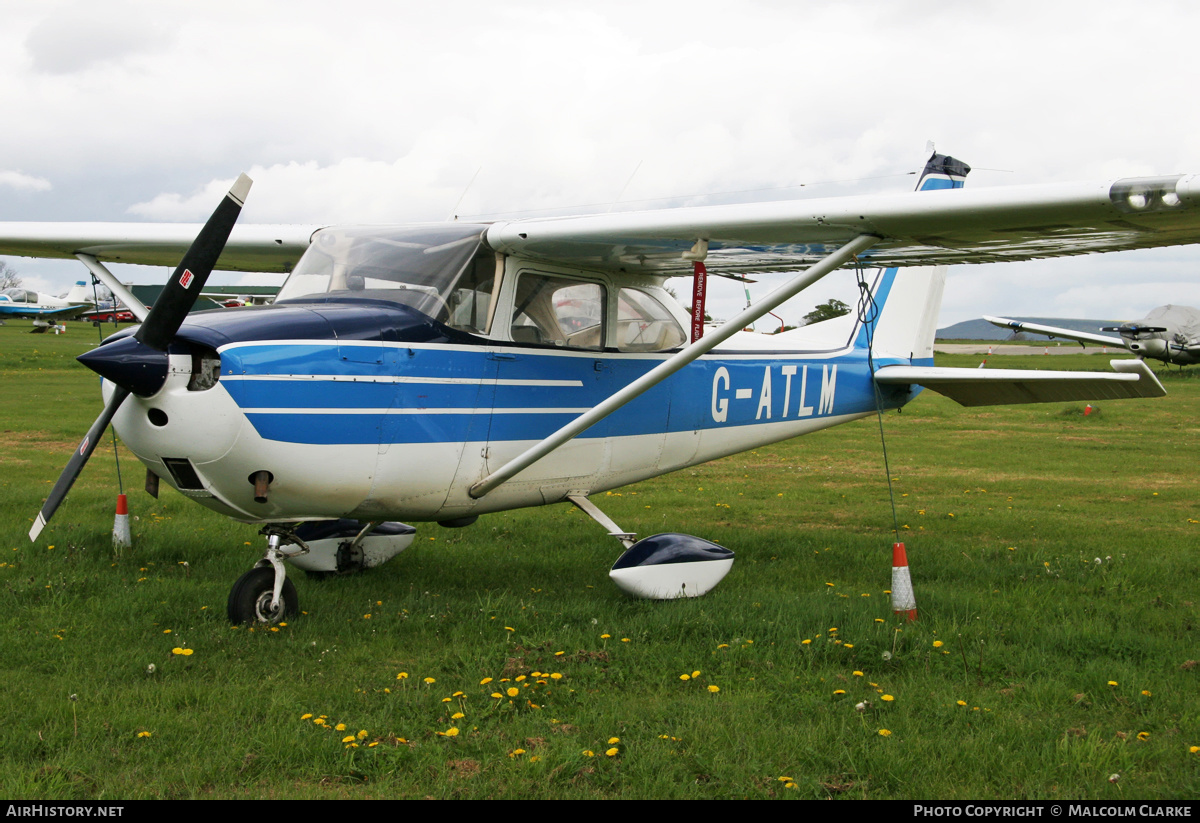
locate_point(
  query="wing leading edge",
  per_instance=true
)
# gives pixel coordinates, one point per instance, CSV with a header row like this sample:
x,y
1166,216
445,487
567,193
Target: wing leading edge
x,y
914,229
250,248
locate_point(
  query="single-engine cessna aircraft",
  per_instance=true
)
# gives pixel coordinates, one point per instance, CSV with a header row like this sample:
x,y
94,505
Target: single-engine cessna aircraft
x,y
19,302
1168,333
438,372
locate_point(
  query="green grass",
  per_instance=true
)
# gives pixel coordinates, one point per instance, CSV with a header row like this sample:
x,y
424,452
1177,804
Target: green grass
x,y
1004,512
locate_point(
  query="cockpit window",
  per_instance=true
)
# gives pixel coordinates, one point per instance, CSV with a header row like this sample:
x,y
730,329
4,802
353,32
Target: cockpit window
x,y
558,311
645,324
420,266
18,295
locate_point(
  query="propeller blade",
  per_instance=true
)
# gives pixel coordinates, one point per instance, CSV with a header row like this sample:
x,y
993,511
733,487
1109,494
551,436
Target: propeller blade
x,y
156,333
181,291
76,463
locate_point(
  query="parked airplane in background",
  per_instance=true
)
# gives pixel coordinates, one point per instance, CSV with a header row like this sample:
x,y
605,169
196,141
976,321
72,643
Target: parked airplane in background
x,y
438,372
19,302
1168,333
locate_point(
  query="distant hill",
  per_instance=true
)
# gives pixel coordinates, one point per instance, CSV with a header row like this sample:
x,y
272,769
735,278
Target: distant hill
x,y
981,329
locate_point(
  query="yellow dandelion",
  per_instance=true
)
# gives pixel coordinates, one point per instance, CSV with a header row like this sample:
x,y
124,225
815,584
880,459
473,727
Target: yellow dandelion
x,y
452,731
509,629
402,676
723,646
884,733
588,753
605,636
485,681
612,741
961,702
516,753
714,689
1194,750
176,650
839,691
513,691
937,644
624,639
1113,683
306,716
497,695
1143,736
685,677
887,698
613,752
556,676
348,738
457,716
429,681
340,727
1145,692
806,641
362,734
848,645
143,734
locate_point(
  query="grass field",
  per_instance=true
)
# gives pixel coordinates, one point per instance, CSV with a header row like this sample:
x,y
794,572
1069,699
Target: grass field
x,y
1053,557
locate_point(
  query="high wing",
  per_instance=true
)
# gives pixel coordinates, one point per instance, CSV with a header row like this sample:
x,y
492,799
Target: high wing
x,y
264,248
1055,331
911,229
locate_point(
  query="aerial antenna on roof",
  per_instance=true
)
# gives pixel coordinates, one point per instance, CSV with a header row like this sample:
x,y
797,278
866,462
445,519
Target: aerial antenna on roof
x,y
613,204
454,211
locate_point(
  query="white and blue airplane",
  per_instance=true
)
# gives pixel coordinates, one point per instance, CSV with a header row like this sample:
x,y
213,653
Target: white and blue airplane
x,y
438,372
41,308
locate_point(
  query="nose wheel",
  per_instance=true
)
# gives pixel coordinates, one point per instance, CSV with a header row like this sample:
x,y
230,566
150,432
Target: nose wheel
x,y
252,599
264,594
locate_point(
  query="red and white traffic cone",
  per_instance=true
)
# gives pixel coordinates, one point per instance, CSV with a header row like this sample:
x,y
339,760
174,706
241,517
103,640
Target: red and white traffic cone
x,y
903,599
121,538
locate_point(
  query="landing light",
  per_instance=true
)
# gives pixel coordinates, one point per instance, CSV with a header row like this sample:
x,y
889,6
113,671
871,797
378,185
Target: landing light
x,y
1146,194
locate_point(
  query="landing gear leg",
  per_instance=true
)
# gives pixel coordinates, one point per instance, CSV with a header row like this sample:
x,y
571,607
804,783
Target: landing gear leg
x,y
264,594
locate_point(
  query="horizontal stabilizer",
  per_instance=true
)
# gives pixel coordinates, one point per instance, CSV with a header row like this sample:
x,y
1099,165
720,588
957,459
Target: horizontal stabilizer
x,y
995,387
1055,331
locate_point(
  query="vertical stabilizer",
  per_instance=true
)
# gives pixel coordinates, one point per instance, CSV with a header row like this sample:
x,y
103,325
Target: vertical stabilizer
x,y
80,293
901,311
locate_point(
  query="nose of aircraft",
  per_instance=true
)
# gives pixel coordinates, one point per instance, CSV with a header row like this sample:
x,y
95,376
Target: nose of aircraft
x,y
130,364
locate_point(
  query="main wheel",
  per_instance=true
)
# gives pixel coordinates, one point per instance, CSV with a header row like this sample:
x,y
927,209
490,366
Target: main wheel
x,y
250,598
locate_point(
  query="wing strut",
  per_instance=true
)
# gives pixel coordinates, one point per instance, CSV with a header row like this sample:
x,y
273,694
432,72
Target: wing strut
x,y
101,273
673,364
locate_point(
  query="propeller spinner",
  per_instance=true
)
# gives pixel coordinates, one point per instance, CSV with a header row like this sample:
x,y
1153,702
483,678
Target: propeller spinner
x,y
138,364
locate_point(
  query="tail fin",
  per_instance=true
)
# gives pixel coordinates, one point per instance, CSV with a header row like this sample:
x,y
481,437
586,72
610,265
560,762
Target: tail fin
x,y
899,308
80,293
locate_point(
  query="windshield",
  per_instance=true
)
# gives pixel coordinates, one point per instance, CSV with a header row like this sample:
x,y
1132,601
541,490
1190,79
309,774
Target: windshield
x,y
419,266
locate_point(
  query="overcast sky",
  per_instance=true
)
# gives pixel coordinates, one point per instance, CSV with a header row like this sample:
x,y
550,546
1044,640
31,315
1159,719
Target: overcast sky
x,y
361,111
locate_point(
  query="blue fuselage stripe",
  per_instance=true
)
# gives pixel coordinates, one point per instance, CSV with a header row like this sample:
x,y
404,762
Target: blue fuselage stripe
x,y
385,401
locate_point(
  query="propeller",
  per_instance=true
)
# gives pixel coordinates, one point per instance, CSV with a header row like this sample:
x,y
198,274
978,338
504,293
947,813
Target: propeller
x,y
138,364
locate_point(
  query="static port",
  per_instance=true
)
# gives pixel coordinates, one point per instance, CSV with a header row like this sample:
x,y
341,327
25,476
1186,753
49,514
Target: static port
x,y
158,417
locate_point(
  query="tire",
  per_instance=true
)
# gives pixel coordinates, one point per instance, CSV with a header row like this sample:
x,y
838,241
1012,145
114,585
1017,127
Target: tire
x,y
250,598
